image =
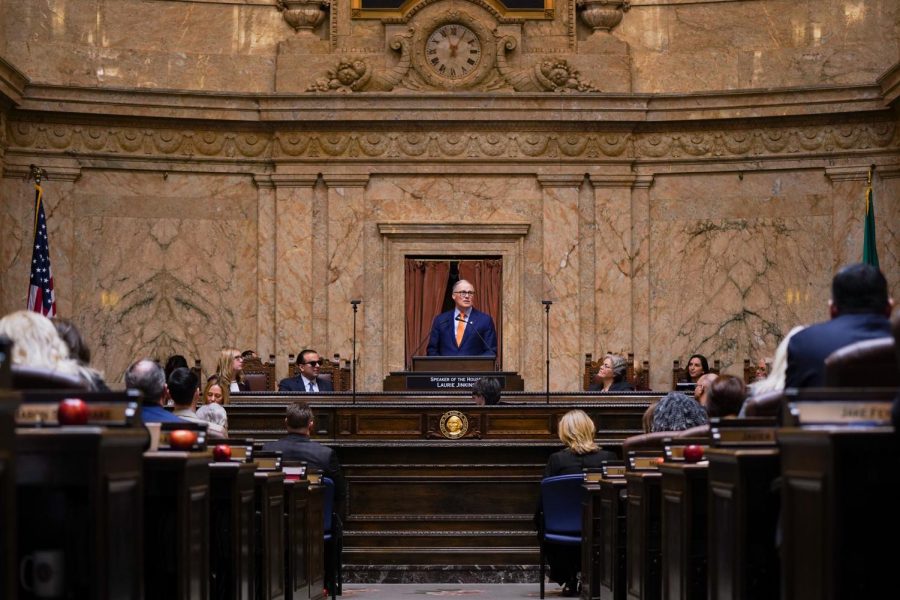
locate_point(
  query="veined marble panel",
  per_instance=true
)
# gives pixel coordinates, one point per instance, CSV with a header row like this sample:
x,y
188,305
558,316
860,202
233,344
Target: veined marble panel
x,y
163,265
734,264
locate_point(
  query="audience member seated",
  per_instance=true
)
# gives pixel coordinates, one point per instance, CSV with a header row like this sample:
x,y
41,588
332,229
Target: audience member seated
x,y
611,376
761,371
38,346
184,391
215,397
486,391
696,367
676,412
859,309
297,445
229,370
309,362
726,396
149,378
576,431
770,387
701,390
79,350
175,361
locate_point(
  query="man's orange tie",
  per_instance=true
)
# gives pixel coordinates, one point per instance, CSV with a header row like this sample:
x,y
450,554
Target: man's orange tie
x,y
460,328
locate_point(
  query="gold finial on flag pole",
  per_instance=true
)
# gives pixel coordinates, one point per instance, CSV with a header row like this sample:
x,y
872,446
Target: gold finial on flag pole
x,y
871,172
37,173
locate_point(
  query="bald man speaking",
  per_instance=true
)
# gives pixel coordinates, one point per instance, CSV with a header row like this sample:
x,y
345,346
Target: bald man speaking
x,y
463,331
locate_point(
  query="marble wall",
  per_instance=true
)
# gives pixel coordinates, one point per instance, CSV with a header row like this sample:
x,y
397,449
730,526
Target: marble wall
x,y
664,222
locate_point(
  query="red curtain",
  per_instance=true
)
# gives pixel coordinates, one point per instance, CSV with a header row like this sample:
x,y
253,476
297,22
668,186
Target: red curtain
x,y
426,286
486,276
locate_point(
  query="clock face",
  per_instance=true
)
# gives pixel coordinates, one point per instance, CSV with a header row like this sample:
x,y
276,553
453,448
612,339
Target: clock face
x,y
453,51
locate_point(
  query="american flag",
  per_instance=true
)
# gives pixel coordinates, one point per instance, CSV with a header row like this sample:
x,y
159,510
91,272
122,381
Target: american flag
x,y
40,293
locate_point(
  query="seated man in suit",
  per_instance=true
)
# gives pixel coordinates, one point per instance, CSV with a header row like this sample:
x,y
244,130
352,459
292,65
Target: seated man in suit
x,y
149,378
463,331
860,308
308,380
297,445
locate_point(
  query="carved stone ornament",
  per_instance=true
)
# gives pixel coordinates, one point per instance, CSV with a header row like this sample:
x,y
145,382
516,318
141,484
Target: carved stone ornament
x,y
356,75
603,15
548,75
304,15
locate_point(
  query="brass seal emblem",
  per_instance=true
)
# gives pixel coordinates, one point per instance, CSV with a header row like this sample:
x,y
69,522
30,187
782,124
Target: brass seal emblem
x,y
454,424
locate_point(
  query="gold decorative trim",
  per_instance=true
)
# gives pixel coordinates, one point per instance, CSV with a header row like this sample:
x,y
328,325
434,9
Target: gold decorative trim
x,y
495,7
454,425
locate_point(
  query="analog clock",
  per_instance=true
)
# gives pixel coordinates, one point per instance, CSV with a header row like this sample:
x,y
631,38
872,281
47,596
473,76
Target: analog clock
x,y
453,51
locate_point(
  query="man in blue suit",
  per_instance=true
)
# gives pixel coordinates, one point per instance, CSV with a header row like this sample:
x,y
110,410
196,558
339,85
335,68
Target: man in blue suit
x,y
463,331
859,308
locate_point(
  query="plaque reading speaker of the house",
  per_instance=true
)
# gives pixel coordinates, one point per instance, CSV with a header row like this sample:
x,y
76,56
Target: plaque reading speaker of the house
x,y
454,424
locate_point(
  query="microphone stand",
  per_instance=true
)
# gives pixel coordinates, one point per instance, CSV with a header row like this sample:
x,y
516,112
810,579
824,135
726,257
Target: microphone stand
x,y
355,305
547,304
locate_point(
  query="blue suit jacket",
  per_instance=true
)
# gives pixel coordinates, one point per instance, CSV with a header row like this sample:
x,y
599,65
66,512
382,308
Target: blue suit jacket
x,y
295,384
479,339
809,348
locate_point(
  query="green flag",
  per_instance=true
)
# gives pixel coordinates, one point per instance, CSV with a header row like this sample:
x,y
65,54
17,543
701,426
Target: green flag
x,y
870,251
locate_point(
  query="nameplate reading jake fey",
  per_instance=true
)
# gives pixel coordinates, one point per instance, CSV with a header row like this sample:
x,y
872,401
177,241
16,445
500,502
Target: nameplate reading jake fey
x,y
454,424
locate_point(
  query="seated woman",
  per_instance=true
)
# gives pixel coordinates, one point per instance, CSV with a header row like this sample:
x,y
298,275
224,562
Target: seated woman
x,y
38,345
79,350
486,391
230,370
677,412
611,376
576,430
726,396
697,367
215,396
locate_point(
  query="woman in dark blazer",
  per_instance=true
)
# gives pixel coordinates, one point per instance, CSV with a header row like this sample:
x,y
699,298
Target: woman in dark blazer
x,y
611,376
576,430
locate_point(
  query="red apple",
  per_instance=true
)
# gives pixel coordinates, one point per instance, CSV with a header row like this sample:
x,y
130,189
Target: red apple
x,y
72,411
182,439
693,453
222,453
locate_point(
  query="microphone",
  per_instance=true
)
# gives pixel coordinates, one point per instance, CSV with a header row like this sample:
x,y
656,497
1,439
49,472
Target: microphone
x,y
478,333
426,338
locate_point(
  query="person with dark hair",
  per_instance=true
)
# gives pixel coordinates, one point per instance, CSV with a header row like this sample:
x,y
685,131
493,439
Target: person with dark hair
x,y
611,376
297,445
859,308
697,366
726,396
486,391
79,350
308,380
148,378
184,390
176,361
677,412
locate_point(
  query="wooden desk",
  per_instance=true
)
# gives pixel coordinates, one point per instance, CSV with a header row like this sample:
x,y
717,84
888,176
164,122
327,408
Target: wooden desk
x,y
232,530
270,549
684,518
417,499
839,506
9,571
304,540
743,512
643,569
176,524
603,545
79,491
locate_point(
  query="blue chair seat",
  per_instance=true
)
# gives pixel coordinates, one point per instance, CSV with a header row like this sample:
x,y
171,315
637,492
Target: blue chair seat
x,y
561,500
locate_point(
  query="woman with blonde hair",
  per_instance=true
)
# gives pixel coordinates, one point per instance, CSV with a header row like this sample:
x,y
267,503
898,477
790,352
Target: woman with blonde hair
x,y
37,344
230,370
576,431
215,397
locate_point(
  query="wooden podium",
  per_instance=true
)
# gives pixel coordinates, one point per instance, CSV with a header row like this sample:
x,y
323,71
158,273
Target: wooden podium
x,y
450,374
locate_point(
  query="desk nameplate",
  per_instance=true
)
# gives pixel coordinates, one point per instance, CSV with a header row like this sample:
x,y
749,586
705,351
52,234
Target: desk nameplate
x,y
446,381
841,413
99,413
750,436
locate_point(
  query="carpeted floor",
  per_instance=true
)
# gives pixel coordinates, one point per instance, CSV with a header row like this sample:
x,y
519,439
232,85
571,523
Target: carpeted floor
x,y
494,591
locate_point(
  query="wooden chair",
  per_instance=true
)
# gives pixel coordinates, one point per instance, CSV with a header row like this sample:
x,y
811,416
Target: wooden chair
x,y
640,380
870,363
679,373
260,376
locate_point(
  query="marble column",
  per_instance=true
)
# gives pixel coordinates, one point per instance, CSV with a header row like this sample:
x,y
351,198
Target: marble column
x,y
296,279
640,271
562,253
344,264
266,259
